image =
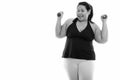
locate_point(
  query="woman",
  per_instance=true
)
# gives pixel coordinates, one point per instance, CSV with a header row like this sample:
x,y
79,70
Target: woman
x,y
79,52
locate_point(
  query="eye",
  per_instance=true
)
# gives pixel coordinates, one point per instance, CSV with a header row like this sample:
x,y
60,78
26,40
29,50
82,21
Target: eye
x,y
82,10
78,11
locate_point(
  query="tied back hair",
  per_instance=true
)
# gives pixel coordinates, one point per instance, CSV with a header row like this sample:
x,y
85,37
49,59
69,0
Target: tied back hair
x,y
88,7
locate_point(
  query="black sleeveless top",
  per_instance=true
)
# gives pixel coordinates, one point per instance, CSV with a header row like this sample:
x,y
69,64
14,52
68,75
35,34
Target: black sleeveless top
x,y
79,44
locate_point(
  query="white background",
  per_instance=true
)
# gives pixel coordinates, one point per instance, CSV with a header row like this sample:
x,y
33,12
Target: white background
x,y
29,49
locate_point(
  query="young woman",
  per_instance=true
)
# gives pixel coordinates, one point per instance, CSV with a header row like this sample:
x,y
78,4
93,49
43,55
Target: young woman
x,y
79,52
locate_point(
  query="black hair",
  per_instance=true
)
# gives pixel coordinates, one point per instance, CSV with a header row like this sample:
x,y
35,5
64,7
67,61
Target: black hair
x,y
88,7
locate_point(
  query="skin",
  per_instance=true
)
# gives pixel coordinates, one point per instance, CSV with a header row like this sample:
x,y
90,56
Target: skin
x,y
101,36
82,13
80,69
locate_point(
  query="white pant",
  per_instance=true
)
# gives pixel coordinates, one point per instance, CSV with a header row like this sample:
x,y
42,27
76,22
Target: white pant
x,y
78,69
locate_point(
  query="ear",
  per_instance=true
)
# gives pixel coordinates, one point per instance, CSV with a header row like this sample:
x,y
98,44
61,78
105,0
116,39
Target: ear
x,y
89,12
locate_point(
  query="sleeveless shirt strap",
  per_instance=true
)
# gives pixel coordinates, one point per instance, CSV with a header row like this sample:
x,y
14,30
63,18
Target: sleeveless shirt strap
x,y
75,20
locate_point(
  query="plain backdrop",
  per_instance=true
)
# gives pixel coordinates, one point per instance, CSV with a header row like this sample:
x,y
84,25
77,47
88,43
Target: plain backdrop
x,y
29,49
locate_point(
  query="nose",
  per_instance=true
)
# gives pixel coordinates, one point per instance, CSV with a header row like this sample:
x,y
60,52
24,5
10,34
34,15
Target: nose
x,y
80,13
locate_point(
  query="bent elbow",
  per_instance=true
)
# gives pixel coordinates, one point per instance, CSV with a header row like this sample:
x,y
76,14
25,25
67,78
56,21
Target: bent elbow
x,y
59,36
103,41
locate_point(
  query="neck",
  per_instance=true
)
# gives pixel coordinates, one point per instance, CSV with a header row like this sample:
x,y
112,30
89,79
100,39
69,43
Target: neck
x,y
82,21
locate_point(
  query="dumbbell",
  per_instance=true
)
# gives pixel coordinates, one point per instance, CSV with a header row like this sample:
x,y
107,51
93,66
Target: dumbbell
x,y
104,17
59,14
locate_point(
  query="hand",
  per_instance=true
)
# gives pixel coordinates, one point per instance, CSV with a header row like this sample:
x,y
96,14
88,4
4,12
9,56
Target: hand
x,y
60,14
104,17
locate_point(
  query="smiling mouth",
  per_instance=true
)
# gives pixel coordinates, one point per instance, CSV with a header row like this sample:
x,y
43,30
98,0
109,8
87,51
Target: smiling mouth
x,y
81,16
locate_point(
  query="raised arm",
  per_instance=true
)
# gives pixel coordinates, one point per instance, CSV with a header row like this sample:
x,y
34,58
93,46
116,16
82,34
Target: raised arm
x,y
61,29
101,36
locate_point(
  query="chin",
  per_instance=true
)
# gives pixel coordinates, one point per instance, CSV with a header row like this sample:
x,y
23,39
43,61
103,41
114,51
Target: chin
x,y
80,19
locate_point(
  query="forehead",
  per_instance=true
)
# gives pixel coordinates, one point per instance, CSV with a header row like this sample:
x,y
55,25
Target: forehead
x,y
81,7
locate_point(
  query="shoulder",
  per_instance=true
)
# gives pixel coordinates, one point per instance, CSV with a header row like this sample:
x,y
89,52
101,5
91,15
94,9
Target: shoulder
x,y
69,22
94,26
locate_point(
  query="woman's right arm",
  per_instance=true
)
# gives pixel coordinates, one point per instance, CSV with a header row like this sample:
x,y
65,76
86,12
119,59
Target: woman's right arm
x,y
61,29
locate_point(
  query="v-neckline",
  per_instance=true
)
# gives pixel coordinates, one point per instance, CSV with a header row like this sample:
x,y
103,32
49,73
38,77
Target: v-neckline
x,y
78,29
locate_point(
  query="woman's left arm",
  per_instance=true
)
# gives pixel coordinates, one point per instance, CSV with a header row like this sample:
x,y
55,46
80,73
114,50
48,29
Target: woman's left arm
x,y
101,36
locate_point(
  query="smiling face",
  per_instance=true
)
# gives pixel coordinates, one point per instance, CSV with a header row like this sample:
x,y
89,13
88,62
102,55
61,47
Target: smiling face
x,y
82,13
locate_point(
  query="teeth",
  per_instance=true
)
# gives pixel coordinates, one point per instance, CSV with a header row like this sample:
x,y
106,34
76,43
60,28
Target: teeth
x,y
81,16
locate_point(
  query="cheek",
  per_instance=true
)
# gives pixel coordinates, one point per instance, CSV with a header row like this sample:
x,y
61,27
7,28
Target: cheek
x,y
78,13
86,15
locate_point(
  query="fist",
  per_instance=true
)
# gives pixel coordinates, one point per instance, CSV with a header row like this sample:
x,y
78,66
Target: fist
x,y
60,14
104,16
